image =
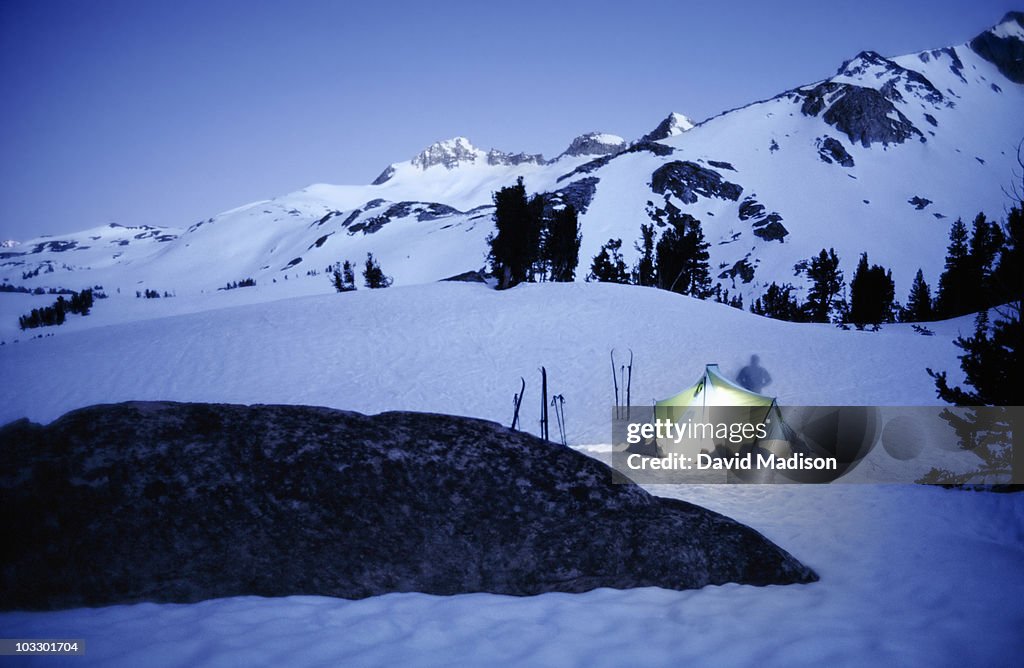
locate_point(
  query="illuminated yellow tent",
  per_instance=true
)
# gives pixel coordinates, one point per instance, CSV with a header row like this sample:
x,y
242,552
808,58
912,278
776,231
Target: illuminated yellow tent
x,y
714,389
717,400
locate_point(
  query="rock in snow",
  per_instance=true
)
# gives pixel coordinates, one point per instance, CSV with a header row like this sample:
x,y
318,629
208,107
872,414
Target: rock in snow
x,y
865,115
595,143
175,502
686,180
831,150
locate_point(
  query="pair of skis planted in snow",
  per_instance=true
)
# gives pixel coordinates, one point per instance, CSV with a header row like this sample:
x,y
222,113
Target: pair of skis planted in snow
x,y
624,373
557,402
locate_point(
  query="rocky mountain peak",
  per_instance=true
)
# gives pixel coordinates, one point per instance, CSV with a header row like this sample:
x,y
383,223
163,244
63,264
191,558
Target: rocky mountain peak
x,y
457,151
866,62
674,124
1012,25
596,144
496,157
892,80
1003,46
450,153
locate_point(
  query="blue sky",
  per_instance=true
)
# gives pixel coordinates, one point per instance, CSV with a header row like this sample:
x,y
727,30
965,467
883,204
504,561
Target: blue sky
x,y
164,113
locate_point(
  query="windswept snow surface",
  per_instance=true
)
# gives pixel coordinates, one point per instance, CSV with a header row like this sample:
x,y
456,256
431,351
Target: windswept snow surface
x,y
910,576
450,348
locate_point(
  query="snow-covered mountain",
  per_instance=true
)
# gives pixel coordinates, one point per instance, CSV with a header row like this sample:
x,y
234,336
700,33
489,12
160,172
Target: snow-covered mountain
x,y
674,124
881,157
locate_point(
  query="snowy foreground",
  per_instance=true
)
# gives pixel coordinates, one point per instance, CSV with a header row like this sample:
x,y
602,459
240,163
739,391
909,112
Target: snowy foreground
x,y
909,575
450,348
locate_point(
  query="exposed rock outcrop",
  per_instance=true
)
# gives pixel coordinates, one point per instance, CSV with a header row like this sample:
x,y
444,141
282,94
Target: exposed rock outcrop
x,y
688,180
580,193
750,208
496,157
742,269
595,143
832,150
424,211
770,228
864,115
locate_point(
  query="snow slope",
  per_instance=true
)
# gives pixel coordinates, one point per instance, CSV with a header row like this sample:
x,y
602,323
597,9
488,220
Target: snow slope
x,y
910,576
451,348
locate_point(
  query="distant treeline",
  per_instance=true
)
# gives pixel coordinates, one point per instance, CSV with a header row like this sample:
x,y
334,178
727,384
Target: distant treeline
x,y
80,303
7,287
151,294
244,283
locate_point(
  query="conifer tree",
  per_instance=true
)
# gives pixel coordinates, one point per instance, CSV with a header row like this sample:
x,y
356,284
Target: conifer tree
x,y
608,266
561,245
987,241
954,284
373,276
992,364
515,245
1008,277
644,270
871,294
778,302
681,256
343,276
826,286
919,302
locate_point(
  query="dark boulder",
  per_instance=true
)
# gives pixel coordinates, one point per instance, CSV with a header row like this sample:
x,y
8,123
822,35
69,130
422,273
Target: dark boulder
x,y
688,180
773,231
742,269
831,150
770,228
750,208
183,502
